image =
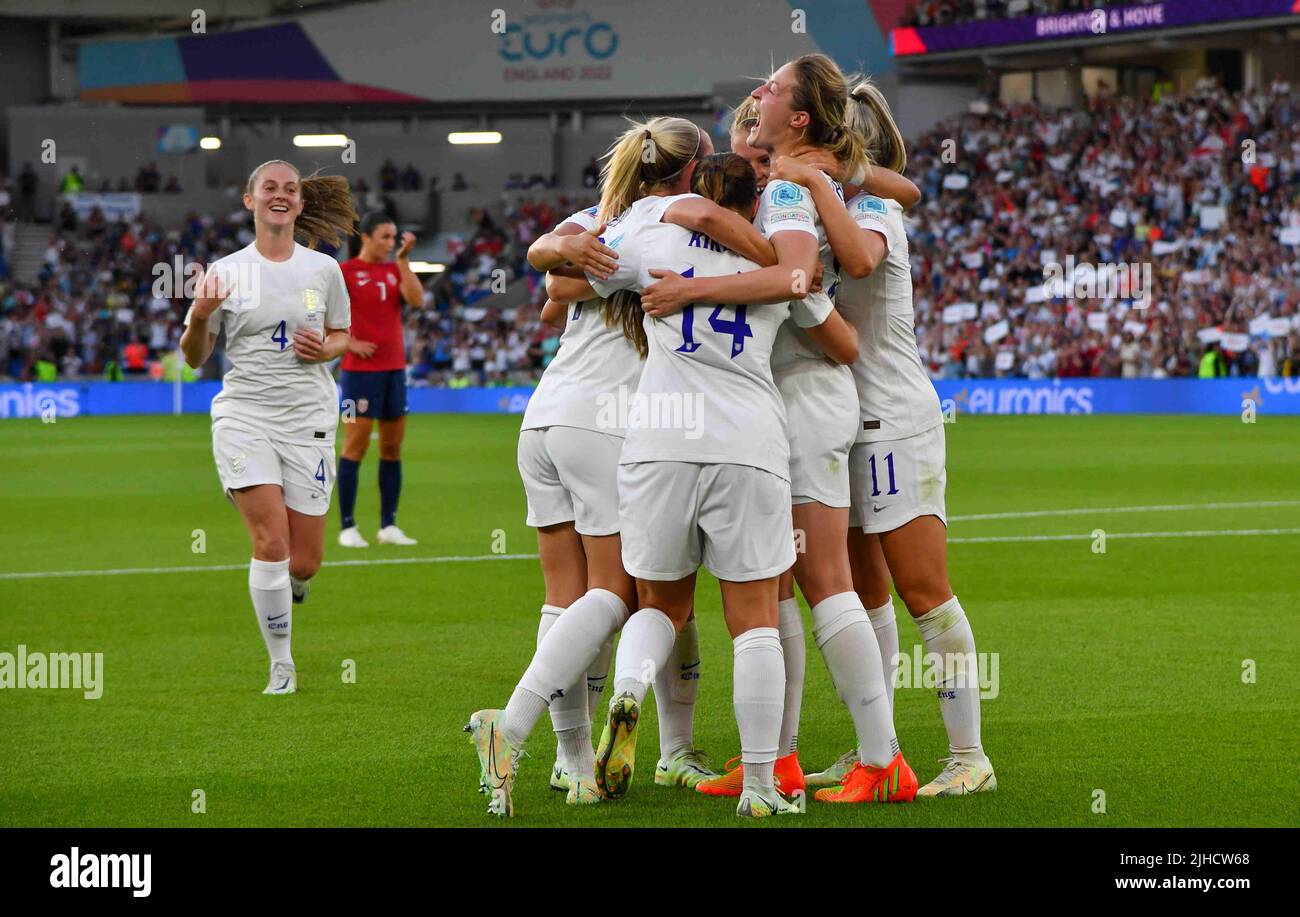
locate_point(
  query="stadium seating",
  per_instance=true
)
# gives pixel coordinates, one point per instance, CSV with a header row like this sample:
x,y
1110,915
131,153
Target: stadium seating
x,y
1123,182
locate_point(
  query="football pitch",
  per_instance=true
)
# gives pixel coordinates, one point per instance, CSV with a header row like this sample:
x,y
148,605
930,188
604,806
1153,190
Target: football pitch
x,y
1152,684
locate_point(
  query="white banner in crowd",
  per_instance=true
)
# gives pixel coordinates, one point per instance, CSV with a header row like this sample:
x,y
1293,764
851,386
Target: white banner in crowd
x,y
1259,324
1289,235
1097,321
1209,335
114,206
1137,329
960,312
1213,217
997,331
1037,293
1004,361
1236,342
1280,327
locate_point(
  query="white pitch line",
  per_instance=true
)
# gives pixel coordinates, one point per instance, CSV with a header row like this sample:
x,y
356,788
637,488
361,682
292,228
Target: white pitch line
x,y
475,558
1090,510
1002,539
216,568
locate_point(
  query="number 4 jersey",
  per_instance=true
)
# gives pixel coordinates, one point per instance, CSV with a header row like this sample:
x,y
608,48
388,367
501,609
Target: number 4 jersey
x,y
706,393
267,387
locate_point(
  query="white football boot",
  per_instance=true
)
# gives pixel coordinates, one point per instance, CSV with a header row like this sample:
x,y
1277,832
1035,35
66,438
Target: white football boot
x,y
284,679
351,538
391,534
961,778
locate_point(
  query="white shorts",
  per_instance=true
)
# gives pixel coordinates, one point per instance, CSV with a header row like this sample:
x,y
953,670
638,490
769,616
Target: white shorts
x,y
898,480
246,457
571,475
732,518
821,411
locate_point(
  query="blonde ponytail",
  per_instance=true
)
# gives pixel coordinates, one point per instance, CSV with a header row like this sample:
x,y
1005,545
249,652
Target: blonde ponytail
x,y
644,157
869,117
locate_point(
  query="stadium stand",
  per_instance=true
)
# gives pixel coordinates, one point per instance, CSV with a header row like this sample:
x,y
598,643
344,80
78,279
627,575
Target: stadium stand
x,y
948,12
1027,187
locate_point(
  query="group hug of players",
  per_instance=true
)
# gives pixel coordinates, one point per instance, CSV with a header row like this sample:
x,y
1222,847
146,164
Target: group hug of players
x,y
743,283
746,282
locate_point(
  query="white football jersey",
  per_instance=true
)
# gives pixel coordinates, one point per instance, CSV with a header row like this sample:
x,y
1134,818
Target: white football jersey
x,y
895,395
594,360
787,206
267,387
706,394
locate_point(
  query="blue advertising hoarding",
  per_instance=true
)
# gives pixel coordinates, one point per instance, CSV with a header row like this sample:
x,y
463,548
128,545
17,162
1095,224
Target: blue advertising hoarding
x,y
961,396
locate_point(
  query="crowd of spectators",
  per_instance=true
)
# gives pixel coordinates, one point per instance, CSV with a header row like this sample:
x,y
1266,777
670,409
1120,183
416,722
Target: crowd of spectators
x,y
101,306
949,12
1204,188
1201,191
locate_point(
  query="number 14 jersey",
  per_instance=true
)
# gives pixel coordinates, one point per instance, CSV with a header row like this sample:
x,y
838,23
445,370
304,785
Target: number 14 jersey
x,y
706,393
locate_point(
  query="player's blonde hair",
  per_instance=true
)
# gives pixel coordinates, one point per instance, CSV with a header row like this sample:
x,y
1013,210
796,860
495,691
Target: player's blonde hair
x,y
328,211
744,116
644,157
822,90
724,178
869,117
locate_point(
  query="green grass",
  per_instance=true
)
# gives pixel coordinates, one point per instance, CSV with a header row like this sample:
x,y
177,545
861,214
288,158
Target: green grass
x,y
1119,671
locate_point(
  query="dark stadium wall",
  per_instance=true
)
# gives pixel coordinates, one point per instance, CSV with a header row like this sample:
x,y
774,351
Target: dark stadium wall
x,y
104,143
24,69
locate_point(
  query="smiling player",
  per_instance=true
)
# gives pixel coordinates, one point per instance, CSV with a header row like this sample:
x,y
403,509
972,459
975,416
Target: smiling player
x,y
285,311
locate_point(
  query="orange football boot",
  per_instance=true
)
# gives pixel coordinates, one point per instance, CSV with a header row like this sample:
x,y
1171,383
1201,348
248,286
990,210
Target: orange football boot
x,y
786,770
895,782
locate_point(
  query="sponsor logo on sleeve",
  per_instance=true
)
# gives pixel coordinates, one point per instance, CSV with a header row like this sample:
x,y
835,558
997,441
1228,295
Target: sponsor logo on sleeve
x,y
786,194
873,205
788,216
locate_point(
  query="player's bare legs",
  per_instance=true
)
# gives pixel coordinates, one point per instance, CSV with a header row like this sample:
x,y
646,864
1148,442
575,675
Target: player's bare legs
x,y
356,440
564,564
266,518
917,556
391,434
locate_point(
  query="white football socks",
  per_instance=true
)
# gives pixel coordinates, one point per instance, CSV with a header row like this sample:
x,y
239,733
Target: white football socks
x,y
885,624
795,652
597,675
676,687
643,650
758,695
844,635
268,585
569,711
569,647
947,633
